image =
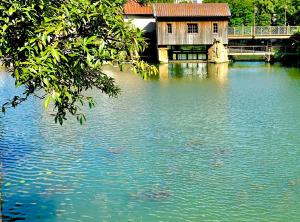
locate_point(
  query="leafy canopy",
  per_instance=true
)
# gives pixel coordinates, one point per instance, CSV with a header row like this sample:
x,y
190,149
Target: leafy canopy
x,y
243,11
55,50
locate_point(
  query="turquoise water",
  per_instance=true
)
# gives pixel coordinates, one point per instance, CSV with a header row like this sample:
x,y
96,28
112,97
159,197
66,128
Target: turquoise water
x,y
197,143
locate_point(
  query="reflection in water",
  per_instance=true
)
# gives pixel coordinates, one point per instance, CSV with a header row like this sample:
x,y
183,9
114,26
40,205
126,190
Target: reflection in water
x,y
179,70
199,70
163,71
218,71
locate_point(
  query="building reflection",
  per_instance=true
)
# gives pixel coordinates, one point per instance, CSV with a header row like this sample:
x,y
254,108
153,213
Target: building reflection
x,y
170,71
179,70
219,72
163,70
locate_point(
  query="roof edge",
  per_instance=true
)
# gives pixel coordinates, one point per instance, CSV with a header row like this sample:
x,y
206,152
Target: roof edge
x,y
175,9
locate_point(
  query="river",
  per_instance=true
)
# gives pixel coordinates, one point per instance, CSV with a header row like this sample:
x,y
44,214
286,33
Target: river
x,y
197,143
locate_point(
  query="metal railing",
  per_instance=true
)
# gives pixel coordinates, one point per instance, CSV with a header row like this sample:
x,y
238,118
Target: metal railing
x,y
260,49
263,30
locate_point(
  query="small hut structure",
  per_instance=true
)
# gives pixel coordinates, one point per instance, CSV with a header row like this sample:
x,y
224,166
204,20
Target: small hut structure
x,y
185,31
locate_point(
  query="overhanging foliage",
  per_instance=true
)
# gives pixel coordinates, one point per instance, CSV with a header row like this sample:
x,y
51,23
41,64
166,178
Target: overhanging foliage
x,y
55,49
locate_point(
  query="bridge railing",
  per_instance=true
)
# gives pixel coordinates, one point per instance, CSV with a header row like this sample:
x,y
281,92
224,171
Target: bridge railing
x,y
260,49
263,30
246,49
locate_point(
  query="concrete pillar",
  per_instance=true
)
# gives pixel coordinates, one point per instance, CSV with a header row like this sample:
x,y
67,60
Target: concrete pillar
x,y
217,53
163,55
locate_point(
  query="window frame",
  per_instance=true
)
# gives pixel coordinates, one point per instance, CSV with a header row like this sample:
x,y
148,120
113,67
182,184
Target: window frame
x,y
169,28
192,28
217,27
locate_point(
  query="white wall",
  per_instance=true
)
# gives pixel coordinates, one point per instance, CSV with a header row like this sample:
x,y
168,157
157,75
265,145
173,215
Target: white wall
x,y
143,22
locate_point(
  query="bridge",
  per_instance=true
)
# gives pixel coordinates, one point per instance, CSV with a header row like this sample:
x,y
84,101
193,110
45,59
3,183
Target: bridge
x,y
260,50
263,32
266,51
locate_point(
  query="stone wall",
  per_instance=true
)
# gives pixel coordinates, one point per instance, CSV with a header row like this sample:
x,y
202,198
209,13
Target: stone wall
x,y
217,53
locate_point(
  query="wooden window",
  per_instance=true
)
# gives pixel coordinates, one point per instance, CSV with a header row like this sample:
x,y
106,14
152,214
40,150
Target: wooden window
x,y
215,28
169,26
192,28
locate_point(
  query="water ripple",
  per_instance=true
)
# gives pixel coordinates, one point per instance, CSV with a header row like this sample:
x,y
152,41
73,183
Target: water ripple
x,y
179,150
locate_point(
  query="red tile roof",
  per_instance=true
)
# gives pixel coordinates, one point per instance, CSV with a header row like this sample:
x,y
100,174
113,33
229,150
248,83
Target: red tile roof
x,y
191,10
132,7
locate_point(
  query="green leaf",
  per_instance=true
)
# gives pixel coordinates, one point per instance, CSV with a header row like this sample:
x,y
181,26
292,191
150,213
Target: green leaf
x,y
44,38
47,102
17,74
91,39
46,81
11,10
4,27
32,40
55,54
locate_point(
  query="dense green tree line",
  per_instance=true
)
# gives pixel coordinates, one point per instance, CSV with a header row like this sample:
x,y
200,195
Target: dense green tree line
x,y
265,12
